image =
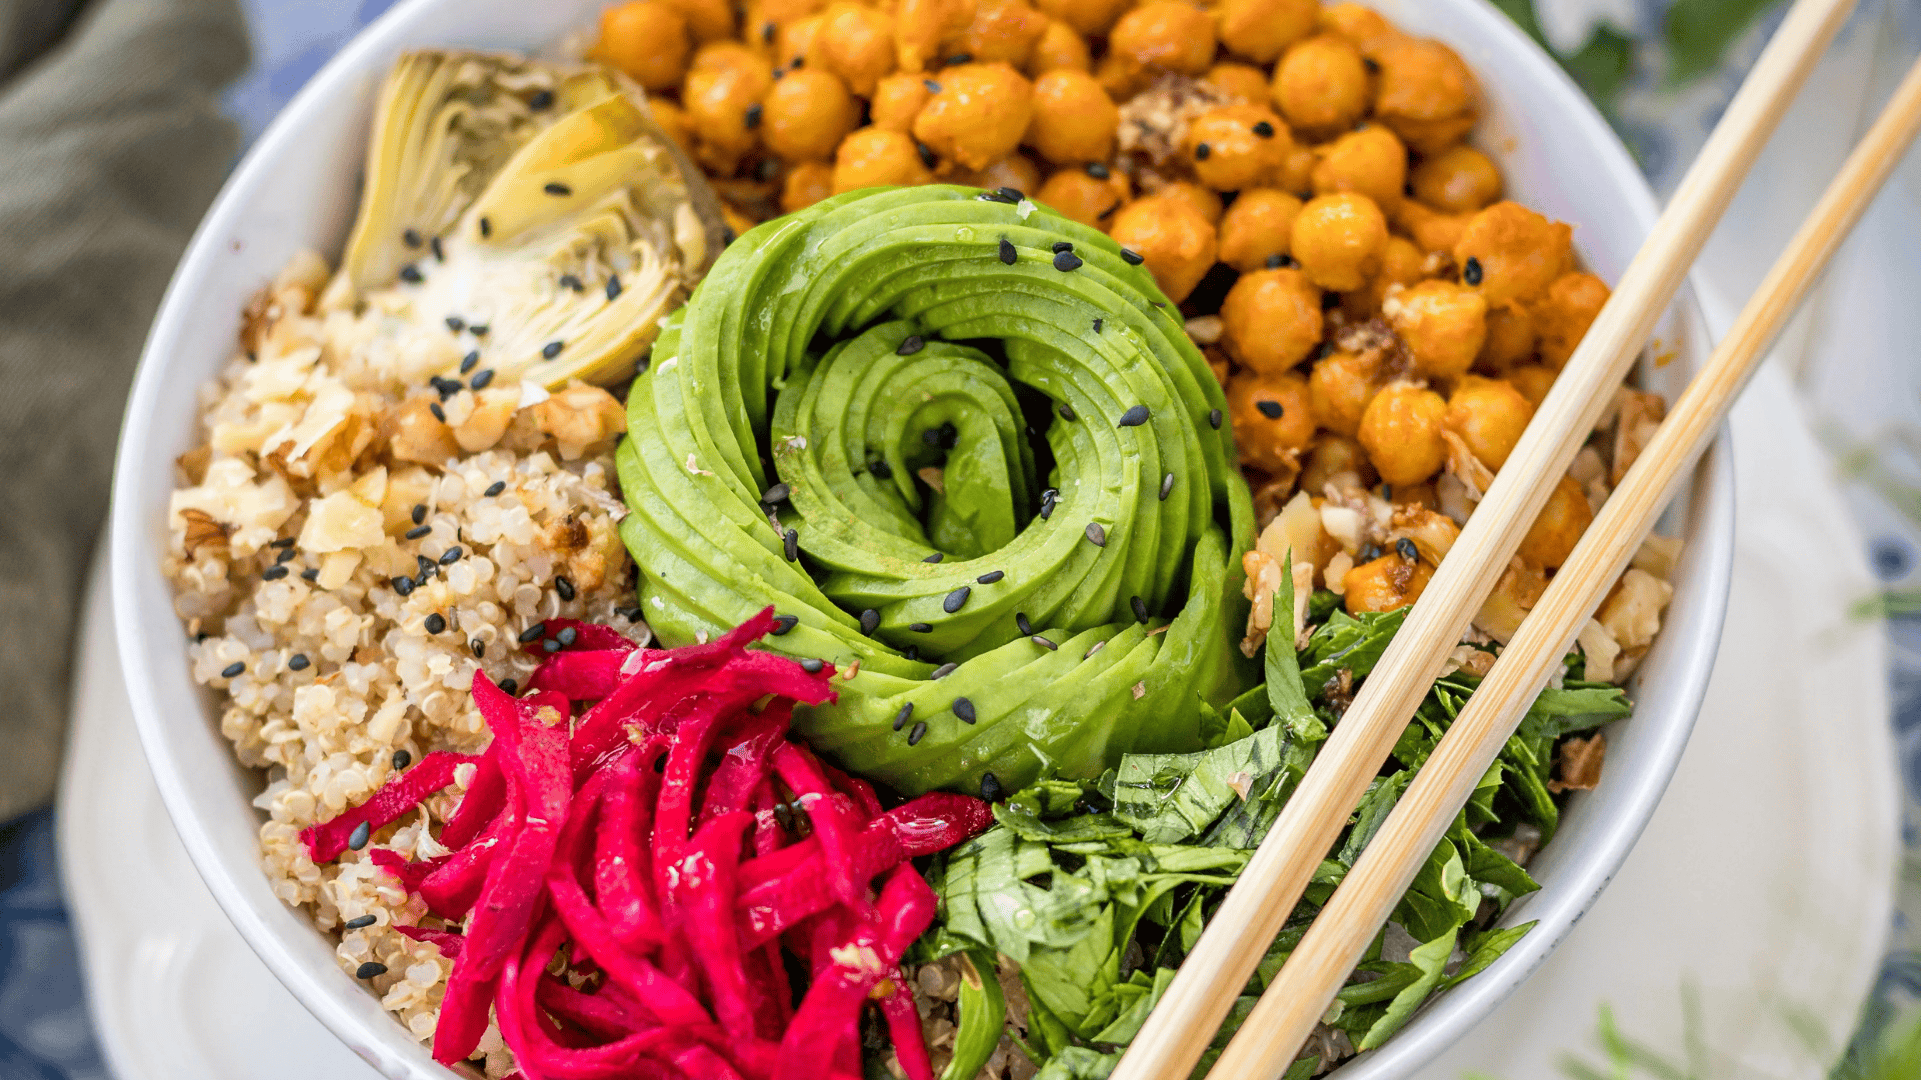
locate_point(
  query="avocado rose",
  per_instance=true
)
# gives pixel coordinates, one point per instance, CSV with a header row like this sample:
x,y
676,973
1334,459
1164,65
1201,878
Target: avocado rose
x,y
965,448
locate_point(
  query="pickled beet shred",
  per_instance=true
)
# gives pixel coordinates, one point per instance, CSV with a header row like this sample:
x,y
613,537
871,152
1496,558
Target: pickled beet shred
x,y
666,840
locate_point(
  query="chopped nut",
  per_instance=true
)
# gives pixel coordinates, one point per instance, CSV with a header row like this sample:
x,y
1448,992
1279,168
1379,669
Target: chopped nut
x,y
1632,612
579,418
203,531
416,434
1580,764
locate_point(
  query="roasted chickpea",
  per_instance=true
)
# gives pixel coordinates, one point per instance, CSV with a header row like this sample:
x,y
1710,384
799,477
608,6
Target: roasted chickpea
x,y
795,39
921,25
776,13
1165,35
807,114
722,95
1489,416
1120,77
807,183
1272,320
1565,313
1059,49
1553,535
1371,162
979,114
1401,429
707,20
1443,325
1203,200
1085,16
1458,180
1342,384
1385,584
1510,339
1273,422
1237,146
1260,29
1240,82
1298,174
1533,381
1401,264
1087,199
1258,228
1074,119
1425,93
672,120
877,156
1511,253
1320,85
1366,28
647,40
1338,240
1002,31
1176,241
855,43
1332,456
1016,171
897,100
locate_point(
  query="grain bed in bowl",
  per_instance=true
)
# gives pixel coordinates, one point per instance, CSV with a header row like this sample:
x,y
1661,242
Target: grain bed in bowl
x,y
344,560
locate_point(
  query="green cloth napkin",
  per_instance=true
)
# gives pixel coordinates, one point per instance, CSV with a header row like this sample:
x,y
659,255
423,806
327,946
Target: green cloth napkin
x,y
111,146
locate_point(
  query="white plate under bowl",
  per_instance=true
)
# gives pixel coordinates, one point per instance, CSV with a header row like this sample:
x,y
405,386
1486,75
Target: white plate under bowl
x,y
295,190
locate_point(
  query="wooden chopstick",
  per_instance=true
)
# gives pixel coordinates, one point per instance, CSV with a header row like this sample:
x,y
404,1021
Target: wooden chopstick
x,y
1182,1025
1313,974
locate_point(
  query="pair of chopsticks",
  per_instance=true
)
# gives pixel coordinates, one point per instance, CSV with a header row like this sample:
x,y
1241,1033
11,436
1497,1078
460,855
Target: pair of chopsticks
x,y
1183,1025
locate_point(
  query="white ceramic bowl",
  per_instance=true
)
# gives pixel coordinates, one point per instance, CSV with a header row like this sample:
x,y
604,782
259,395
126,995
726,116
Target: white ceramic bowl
x,y
295,191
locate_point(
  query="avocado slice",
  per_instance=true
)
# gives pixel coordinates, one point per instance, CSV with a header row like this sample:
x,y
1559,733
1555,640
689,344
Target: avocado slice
x,y
968,446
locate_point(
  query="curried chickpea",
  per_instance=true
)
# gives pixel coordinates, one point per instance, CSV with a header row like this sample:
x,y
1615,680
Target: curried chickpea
x,y
1401,265
807,183
1002,31
1165,35
1074,119
1489,416
1272,420
1087,199
707,20
1177,243
795,38
1565,313
1511,253
1401,429
647,40
1237,146
1203,200
1458,180
1443,324
672,120
1431,230
897,100
1333,455
1510,339
1425,93
1320,85
921,25
1366,28
1553,535
1371,162
1240,82
1298,174
1385,584
1338,240
875,156
1059,49
1260,29
807,114
855,43
1342,384
721,96
1016,171
1085,16
1258,228
1271,320
979,114
1533,381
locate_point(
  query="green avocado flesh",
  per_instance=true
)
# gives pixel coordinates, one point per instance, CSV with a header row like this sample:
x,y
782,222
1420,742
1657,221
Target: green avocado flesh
x,y
799,350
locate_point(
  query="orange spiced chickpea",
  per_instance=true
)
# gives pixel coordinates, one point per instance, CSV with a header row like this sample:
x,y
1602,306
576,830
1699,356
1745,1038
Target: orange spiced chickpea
x,y
1081,194
1240,82
1402,264
855,43
1271,320
1533,381
1553,535
1511,253
1074,119
1565,313
1059,49
1016,171
1320,85
1443,325
1333,455
1510,339
1389,582
722,97
875,156
807,114
806,184
1401,429
1370,161
647,40
1237,146
1489,416
1204,201
1165,35
1176,241
1425,93
1260,29
1092,17
1257,229
1002,31
1272,420
1339,239
707,20
979,113
921,25
795,38
672,120
1342,384
1431,229
1363,26
1458,180
897,100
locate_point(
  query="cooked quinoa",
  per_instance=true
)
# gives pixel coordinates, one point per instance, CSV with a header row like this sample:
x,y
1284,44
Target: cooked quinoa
x,y
349,544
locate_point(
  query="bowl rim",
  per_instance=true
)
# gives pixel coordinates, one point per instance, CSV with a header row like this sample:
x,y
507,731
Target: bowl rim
x,y
270,927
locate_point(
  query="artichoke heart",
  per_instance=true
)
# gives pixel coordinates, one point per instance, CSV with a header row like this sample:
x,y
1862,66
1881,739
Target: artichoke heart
x,y
536,207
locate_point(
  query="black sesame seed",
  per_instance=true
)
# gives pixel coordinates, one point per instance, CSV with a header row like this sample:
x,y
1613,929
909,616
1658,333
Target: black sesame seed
x,y
477,647
956,599
402,759
1134,417
1132,257
1048,499
1021,623
921,627
440,414
1203,152
915,736
790,545
881,470
551,350
361,834
435,623
964,709
1066,261
1471,272
434,246
767,32
445,387
495,488
283,542
1214,419
452,555
550,645
274,573
542,99
631,614
510,687
1167,485
1098,170
361,923
812,665
753,115
1063,245
1270,409
418,513
1043,642
1264,129
312,573
533,633
869,622
1008,254
906,713
1373,66
1109,212
572,283
1098,323
419,531
1370,552
456,324
958,58
233,670
468,362
1066,411
563,585
935,557
411,238
1273,262
990,787
932,86
784,623
1406,549
370,969
1096,535
298,662
557,189
1010,195
944,671
403,584
1140,608
912,652
486,229
613,288
482,380
776,495
478,331
990,577
410,274
927,155
910,345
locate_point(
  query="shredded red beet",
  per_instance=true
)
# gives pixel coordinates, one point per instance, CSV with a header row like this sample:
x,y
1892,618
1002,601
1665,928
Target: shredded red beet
x,y
643,815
